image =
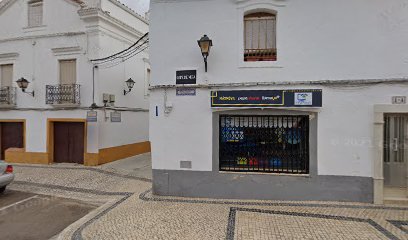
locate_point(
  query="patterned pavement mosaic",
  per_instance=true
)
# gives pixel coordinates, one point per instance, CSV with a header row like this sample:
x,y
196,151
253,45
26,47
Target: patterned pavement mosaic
x,y
130,211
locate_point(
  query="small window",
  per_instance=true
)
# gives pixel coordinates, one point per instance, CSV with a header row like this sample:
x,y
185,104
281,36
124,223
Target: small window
x,y
67,72
260,37
147,82
6,75
35,13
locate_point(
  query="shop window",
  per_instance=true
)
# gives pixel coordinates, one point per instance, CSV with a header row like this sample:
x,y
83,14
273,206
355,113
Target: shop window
x,y
260,37
6,75
274,144
35,13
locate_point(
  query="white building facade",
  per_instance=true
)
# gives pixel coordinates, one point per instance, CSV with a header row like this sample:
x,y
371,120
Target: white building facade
x,y
51,44
297,102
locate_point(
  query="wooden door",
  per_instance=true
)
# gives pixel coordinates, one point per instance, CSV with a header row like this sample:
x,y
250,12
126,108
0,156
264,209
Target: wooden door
x,y
69,142
12,136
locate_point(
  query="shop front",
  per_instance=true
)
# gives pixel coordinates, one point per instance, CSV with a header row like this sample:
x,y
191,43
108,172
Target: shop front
x,y
274,143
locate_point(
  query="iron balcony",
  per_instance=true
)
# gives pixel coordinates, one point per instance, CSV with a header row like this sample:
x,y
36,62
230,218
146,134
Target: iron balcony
x,y
7,97
63,95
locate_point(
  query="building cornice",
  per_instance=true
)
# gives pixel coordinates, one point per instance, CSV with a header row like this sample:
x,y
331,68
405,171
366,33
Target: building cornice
x,y
130,11
52,35
96,14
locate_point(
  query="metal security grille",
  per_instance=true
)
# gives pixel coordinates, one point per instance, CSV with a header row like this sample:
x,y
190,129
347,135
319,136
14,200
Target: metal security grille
x,y
63,94
395,150
276,144
8,96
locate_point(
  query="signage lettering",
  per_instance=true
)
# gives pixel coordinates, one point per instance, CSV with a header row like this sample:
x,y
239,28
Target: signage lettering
x,y
186,77
267,98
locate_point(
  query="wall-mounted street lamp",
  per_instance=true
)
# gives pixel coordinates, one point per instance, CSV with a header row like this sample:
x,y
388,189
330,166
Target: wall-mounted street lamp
x,y
22,83
205,44
129,83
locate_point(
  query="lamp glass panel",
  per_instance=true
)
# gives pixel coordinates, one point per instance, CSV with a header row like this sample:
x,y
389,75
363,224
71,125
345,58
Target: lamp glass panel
x,y
22,83
130,83
205,47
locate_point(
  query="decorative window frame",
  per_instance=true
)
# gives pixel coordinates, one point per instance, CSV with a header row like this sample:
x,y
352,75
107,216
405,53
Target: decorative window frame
x,y
34,28
245,7
10,59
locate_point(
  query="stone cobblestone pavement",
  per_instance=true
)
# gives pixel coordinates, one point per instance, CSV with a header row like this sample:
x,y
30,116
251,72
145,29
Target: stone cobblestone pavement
x,y
130,211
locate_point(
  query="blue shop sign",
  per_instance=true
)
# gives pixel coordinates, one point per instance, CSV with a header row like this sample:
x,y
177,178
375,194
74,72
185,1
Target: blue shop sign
x,y
267,98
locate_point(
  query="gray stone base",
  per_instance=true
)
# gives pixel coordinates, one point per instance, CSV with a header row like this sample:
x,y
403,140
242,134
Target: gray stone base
x,y
262,186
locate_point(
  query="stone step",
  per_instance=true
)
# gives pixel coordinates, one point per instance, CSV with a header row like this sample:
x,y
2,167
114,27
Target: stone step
x,y
396,201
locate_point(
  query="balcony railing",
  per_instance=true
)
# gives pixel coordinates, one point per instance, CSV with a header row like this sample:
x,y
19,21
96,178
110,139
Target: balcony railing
x,y
63,94
251,55
7,96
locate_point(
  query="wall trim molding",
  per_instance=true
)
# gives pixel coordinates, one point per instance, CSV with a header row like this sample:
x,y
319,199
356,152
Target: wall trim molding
x,y
65,34
331,83
9,56
66,50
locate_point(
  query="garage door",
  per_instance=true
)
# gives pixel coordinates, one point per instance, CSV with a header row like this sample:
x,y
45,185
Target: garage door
x,y
69,142
11,136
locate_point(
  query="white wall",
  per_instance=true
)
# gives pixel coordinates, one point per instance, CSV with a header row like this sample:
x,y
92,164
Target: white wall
x,y
59,16
135,125
317,40
39,64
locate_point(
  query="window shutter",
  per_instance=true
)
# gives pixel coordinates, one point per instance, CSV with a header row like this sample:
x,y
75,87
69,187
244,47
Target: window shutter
x,y
6,75
68,71
260,37
35,13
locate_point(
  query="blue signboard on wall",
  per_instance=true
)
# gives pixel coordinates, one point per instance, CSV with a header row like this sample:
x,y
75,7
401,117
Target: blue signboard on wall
x,y
267,98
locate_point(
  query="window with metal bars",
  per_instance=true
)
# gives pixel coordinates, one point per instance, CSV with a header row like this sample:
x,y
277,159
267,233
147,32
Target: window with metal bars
x,y
260,37
274,144
35,13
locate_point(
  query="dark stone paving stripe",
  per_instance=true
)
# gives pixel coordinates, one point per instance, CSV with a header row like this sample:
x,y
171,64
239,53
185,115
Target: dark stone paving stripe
x,y
233,211
78,233
143,196
400,224
90,169
231,224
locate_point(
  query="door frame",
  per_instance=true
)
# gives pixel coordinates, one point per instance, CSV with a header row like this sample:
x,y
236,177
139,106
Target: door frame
x,y
50,135
23,121
380,110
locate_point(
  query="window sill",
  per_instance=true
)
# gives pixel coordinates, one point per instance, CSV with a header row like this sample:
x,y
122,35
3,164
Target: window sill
x,y
260,64
34,28
264,173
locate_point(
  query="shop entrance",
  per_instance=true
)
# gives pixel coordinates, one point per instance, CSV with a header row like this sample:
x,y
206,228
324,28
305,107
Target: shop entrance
x,y
395,151
276,144
11,136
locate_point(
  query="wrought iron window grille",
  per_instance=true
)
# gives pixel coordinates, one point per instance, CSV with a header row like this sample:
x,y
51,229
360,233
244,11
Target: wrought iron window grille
x,y
8,96
271,144
63,94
